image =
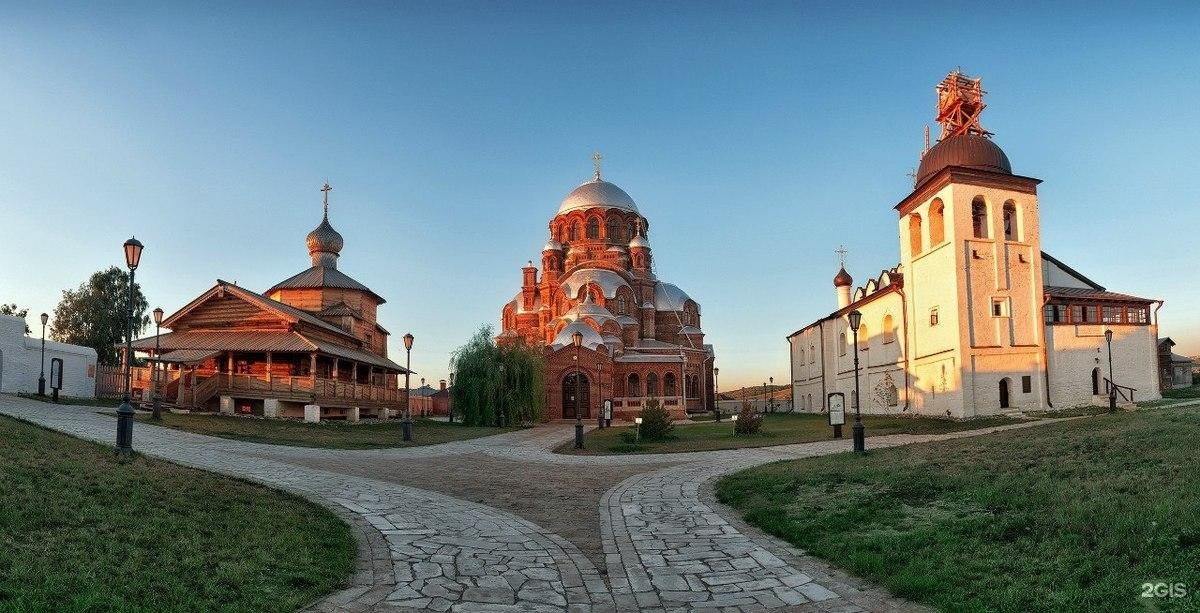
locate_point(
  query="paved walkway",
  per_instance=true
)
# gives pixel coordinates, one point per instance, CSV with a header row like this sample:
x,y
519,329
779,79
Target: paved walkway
x,y
635,532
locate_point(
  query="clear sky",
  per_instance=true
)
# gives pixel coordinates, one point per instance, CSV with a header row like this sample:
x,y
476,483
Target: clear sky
x,y
756,137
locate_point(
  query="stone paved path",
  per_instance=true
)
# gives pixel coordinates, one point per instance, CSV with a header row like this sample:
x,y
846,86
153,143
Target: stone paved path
x,y
665,543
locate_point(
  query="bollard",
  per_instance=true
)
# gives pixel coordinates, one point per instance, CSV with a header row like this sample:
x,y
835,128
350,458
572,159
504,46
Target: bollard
x,y
578,433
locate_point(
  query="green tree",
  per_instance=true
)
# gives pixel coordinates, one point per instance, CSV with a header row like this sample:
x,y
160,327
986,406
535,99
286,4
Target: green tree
x,y
93,315
13,309
490,379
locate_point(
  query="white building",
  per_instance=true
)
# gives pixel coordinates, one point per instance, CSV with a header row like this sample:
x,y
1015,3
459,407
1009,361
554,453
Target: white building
x,y
975,319
20,362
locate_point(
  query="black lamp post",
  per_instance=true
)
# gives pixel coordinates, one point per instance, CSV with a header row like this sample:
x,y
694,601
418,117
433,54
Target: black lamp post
x,y
133,255
42,377
158,315
771,393
1112,385
577,340
600,413
717,392
406,424
766,398
449,400
860,443
501,414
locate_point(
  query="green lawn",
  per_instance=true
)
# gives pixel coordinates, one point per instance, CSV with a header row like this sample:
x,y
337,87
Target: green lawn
x,y
1071,516
80,531
1183,392
328,434
777,429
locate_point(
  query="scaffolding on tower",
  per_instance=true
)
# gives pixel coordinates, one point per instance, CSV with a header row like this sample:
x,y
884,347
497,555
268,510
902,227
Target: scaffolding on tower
x,y
960,103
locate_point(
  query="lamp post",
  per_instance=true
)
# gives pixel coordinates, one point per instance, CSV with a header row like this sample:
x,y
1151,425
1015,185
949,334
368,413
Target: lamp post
x,y
600,413
860,444
133,255
577,340
765,397
502,415
406,424
42,377
449,400
771,394
717,392
1112,385
158,315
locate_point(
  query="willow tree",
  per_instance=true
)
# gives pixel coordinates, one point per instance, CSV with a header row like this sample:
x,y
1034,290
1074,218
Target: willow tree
x,y
489,380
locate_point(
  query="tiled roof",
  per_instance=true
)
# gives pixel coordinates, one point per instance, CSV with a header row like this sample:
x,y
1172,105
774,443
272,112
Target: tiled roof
x,y
323,276
1083,293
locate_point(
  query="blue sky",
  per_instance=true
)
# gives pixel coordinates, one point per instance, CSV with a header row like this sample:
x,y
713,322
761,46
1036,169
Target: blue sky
x,y
756,137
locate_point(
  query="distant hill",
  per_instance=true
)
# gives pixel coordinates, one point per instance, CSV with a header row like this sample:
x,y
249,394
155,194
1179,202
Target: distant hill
x,y
755,392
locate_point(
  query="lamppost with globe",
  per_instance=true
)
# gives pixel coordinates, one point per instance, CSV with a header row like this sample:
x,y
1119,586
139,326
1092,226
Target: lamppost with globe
x,y
133,256
406,424
860,445
577,340
42,377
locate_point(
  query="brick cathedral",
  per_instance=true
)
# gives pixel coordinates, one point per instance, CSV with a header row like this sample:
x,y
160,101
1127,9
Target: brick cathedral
x,y
641,336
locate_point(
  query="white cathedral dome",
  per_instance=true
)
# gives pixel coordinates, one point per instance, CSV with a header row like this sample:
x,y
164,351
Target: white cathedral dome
x,y
597,193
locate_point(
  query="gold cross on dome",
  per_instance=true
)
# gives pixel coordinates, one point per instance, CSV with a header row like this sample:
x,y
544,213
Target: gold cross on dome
x,y
841,251
596,157
325,189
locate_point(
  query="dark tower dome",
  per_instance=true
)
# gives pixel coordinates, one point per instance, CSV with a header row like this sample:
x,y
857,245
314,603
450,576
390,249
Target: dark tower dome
x,y
966,150
843,278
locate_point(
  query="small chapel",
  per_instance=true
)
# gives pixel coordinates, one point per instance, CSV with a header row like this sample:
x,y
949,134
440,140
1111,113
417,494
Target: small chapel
x,y
640,336
975,319
309,346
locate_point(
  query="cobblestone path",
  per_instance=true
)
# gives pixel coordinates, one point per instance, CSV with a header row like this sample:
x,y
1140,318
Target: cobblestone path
x,y
578,533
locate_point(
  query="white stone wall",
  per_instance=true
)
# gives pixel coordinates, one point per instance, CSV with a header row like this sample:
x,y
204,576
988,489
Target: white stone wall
x,y
20,362
1075,350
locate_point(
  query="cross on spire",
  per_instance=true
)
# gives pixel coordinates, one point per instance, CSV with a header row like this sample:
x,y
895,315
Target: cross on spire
x,y
841,251
596,157
325,189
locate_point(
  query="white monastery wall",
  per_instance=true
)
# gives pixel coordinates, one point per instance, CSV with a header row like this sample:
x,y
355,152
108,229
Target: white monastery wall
x,y
20,362
1074,350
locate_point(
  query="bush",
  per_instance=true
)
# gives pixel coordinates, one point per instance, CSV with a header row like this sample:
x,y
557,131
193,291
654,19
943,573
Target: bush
x,y
656,421
748,421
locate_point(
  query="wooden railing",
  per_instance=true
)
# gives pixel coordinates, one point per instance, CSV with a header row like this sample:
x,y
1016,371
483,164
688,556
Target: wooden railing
x,y
319,387
1124,391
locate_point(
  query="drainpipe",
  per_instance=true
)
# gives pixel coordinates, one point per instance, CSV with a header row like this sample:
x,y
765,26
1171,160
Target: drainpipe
x,y
821,333
907,361
1046,352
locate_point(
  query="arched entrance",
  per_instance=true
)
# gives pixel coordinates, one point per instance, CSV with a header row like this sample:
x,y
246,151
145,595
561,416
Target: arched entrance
x,y
1096,381
575,396
1004,385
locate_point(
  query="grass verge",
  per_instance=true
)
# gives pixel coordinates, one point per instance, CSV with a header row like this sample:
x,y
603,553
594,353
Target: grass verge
x,y
80,531
777,429
328,434
1064,517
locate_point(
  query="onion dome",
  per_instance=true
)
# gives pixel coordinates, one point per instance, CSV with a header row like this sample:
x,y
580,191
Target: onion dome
x,y
324,244
965,150
639,241
591,338
597,193
843,278
552,245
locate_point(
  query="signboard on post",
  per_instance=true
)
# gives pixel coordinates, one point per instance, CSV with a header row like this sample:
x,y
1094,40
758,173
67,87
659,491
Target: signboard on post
x,y
607,413
837,412
56,374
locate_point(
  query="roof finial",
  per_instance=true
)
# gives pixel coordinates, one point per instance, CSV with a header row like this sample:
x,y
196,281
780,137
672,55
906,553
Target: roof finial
x,y
841,251
325,189
596,157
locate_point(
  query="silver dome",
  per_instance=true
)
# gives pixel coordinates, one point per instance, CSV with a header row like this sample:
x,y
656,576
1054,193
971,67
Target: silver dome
x,y
597,193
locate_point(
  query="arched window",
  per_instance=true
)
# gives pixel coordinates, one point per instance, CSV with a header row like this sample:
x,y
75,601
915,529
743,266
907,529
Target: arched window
x,y
864,337
669,384
575,228
593,228
614,230
914,234
651,384
842,343
937,222
1010,221
635,386
812,354
802,356
889,329
979,217
622,305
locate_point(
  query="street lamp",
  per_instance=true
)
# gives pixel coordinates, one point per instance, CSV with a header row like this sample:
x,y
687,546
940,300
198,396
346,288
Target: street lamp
x,y
771,394
406,424
717,392
133,255
577,340
502,416
600,376
158,315
766,397
860,444
42,377
1112,385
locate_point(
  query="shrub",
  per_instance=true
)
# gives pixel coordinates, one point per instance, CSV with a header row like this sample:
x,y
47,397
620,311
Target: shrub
x,y
748,421
656,421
